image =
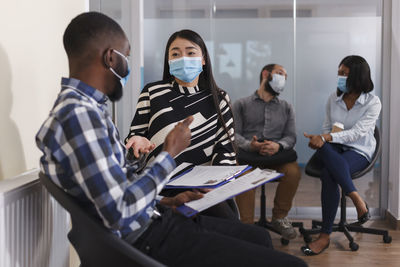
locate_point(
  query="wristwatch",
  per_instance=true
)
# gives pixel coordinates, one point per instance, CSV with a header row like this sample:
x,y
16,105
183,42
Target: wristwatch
x,y
280,147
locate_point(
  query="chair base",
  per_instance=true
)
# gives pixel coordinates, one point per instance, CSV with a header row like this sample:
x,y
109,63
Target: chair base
x,y
345,228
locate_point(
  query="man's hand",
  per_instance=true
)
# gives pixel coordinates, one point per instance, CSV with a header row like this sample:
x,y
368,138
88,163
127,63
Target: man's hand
x,y
316,140
269,148
255,145
140,145
180,199
179,138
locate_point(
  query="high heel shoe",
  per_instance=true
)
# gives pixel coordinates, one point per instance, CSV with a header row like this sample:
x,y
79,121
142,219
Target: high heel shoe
x,y
365,216
308,251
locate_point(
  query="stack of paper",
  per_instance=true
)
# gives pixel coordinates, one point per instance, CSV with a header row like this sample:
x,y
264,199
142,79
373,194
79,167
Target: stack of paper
x,y
231,189
206,176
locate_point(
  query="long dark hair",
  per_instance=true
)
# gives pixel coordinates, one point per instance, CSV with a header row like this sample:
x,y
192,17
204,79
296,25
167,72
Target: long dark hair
x,y
206,78
359,78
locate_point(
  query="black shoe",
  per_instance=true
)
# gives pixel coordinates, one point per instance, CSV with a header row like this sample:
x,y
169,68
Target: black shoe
x,y
365,217
308,251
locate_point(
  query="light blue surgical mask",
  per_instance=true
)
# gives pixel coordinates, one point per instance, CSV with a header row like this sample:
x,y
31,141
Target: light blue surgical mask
x,y
186,68
277,83
122,80
341,84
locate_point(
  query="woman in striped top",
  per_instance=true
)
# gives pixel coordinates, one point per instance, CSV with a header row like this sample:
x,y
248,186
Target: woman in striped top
x,y
188,88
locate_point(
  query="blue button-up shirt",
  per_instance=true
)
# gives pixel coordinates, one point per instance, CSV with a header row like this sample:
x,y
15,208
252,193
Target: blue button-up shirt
x,y
359,122
83,154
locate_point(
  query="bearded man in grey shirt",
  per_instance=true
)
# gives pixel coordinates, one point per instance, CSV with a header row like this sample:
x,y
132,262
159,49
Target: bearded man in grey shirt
x,y
266,134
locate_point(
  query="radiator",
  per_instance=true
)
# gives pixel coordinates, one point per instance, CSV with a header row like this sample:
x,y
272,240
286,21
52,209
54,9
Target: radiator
x,y
33,226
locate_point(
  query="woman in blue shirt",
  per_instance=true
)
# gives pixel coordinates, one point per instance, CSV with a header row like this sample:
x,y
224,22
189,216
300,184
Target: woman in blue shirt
x,y
348,148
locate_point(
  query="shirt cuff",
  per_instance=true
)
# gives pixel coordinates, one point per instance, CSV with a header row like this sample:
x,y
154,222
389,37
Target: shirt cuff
x,y
158,198
284,144
246,145
165,159
335,137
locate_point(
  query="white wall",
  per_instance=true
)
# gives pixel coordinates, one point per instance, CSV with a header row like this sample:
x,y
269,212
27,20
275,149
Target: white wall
x,y
394,122
32,61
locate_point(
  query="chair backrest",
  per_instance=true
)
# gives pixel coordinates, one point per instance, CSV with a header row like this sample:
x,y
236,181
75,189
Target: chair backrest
x,y
314,170
95,245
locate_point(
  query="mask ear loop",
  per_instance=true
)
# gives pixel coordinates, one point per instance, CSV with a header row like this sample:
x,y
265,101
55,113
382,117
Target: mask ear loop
x,y
108,66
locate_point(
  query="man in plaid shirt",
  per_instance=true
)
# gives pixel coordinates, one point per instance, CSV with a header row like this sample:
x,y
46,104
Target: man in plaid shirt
x,y
83,154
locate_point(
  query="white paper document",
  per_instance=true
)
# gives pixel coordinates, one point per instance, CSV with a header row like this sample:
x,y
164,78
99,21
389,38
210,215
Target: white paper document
x,y
233,188
206,176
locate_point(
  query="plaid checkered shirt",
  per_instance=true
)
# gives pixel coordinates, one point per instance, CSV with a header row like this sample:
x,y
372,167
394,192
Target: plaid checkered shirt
x,y
83,154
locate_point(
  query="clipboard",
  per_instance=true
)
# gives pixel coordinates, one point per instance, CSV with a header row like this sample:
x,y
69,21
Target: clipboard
x,y
244,183
206,176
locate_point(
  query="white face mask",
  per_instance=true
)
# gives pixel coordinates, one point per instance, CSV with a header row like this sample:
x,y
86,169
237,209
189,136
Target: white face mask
x,y
277,83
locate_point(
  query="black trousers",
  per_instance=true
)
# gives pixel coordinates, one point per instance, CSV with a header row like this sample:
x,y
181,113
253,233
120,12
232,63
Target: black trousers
x,y
208,241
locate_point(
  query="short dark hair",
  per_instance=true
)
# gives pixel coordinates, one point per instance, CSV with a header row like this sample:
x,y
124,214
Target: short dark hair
x,y
359,78
87,30
269,68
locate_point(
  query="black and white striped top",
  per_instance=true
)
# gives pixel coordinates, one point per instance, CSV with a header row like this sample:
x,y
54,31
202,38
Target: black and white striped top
x,y
163,104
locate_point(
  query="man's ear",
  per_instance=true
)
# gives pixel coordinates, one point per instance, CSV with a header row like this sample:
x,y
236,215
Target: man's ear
x,y
108,58
265,74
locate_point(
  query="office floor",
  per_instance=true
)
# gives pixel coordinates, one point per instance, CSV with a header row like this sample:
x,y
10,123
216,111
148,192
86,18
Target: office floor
x,y
309,191
372,251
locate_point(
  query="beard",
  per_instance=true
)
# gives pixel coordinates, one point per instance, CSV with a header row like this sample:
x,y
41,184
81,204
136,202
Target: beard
x,y
116,94
268,88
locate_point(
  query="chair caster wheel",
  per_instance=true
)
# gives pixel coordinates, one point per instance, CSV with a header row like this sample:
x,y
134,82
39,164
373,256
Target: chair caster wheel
x,y
307,239
353,246
284,241
387,239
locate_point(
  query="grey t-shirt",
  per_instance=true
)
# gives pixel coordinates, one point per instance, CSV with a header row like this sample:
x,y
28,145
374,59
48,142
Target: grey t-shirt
x,y
273,120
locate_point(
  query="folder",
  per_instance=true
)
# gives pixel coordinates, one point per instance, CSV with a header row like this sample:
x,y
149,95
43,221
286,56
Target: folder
x,y
206,176
228,190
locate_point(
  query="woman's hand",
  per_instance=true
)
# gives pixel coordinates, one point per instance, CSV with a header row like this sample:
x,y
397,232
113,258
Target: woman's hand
x,y
316,141
140,145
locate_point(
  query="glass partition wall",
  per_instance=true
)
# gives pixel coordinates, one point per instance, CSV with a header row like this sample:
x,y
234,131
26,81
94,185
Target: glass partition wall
x,y
307,37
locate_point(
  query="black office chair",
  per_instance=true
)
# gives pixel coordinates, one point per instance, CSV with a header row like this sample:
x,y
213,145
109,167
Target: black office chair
x,y
284,156
314,170
95,245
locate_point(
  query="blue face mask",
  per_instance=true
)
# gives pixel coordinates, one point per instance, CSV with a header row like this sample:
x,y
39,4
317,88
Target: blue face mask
x,y
186,68
341,84
122,80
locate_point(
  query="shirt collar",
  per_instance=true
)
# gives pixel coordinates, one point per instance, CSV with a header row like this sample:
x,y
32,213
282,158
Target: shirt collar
x,y
256,96
361,99
84,88
186,90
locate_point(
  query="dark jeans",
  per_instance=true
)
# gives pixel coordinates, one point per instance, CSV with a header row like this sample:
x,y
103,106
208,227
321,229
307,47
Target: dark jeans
x,y
208,241
338,164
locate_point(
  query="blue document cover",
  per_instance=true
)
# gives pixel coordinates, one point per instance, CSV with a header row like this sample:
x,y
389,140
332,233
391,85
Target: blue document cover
x,y
206,176
229,190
